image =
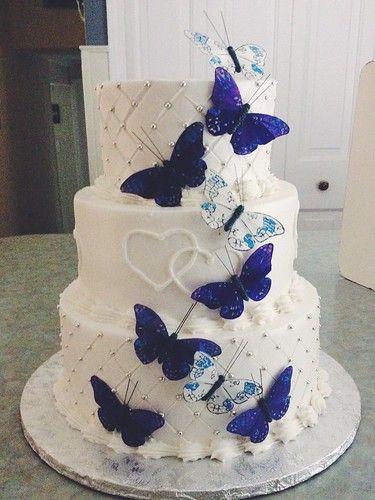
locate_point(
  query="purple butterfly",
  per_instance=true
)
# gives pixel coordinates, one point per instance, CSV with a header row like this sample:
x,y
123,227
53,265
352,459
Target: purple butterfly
x,y
135,425
153,342
185,168
252,283
230,115
254,423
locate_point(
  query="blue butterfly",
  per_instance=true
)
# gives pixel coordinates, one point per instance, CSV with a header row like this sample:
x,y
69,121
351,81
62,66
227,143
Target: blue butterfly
x,y
230,115
244,229
153,342
185,168
252,283
246,59
220,391
254,423
135,425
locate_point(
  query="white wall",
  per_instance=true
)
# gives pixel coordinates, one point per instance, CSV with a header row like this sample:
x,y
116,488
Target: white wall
x,y
315,49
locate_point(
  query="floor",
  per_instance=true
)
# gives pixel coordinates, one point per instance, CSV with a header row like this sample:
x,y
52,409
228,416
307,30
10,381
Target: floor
x,y
35,269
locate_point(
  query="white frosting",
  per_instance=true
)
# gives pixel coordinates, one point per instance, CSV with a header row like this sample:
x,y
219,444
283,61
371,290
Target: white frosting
x,y
164,109
97,346
119,255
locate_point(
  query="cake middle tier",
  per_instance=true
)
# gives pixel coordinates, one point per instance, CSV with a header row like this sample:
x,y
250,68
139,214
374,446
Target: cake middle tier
x,y
156,256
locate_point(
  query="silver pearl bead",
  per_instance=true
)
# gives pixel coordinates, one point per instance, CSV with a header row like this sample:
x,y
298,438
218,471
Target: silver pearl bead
x,y
161,379
249,353
171,144
129,162
153,126
128,340
278,346
180,433
168,105
183,84
114,391
118,85
134,104
147,84
112,110
233,340
199,108
178,396
161,414
197,413
144,397
217,432
290,327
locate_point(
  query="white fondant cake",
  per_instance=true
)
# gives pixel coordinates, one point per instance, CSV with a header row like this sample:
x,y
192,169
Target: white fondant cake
x,y
132,251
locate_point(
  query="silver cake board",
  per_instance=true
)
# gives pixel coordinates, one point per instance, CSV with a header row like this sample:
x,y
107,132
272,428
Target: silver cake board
x,y
278,468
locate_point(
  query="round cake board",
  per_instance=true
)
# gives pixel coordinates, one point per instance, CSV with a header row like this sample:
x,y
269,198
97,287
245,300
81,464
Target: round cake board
x,y
131,476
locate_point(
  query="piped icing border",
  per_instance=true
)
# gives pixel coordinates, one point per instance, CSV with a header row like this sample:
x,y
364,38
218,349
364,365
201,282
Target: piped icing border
x,y
221,449
78,297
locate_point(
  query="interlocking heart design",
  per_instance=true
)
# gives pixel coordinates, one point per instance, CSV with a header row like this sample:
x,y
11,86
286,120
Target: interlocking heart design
x,y
179,249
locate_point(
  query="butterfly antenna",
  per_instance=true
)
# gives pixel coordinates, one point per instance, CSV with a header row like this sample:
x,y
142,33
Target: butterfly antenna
x,y
184,319
212,24
152,142
238,355
126,392
242,184
230,262
261,378
258,89
225,28
257,97
131,395
238,183
231,359
148,147
227,268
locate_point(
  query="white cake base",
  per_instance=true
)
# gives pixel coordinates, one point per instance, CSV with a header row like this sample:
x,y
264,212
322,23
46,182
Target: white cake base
x,y
281,467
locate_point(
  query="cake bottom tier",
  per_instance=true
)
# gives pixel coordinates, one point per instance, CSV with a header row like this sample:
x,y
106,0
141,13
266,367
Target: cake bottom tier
x,y
94,345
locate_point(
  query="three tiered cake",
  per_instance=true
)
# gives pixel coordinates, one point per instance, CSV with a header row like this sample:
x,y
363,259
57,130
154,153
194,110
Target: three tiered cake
x,y
187,332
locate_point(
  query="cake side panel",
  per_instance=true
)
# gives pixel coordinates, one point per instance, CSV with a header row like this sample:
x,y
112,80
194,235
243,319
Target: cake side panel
x,y
92,347
158,257
164,109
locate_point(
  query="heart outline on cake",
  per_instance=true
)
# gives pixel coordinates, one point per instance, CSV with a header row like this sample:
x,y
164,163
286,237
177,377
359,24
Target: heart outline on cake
x,y
172,275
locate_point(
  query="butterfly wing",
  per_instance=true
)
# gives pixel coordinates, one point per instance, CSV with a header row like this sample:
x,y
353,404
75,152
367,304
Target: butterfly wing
x,y
241,390
250,423
278,398
217,52
203,375
152,333
254,273
222,201
140,425
110,407
154,183
196,344
251,59
220,294
253,227
227,102
220,402
257,129
186,163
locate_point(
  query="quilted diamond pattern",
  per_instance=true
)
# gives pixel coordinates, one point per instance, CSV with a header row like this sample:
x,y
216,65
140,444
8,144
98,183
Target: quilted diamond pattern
x,y
163,109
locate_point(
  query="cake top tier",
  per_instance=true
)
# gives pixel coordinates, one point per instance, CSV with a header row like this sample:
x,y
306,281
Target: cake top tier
x,y
162,110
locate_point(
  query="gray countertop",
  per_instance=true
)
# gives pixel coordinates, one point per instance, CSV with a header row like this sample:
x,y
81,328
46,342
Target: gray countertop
x,y
35,269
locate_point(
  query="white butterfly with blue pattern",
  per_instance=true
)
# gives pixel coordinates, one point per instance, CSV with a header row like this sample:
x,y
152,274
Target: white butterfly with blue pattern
x,y
222,210
250,57
220,392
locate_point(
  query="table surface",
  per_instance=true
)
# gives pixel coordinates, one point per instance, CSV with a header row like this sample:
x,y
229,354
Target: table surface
x,y
35,269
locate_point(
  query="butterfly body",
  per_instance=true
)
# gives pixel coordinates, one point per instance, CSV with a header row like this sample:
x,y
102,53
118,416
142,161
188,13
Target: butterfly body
x,y
244,228
174,354
247,59
219,392
254,423
184,169
134,425
253,283
230,115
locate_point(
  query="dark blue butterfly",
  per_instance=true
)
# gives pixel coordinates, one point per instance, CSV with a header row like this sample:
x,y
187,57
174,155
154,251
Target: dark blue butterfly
x,y
184,169
230,115
254,423
252,283
135,425
153,342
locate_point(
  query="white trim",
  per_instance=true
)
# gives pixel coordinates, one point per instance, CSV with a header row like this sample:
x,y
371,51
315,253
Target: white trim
x,y
94,71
